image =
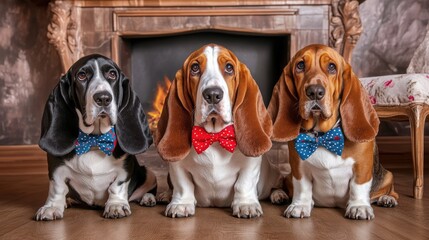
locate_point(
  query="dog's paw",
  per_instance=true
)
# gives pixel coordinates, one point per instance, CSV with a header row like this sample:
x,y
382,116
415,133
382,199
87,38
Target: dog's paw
x,y
298,211
148,200
247,210
278,196
117,210
387,201
179,210
360,212
165,197
46,213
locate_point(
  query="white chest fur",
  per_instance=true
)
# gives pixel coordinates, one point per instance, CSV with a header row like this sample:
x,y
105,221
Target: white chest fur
x,y
91,174
330,176
214,174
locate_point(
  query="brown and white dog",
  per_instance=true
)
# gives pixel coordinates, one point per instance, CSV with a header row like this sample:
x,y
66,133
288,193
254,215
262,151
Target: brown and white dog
x,y
215,91
317,92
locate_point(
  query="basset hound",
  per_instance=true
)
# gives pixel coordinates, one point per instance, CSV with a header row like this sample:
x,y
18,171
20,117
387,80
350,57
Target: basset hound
x,y
321,109
213,129
92,126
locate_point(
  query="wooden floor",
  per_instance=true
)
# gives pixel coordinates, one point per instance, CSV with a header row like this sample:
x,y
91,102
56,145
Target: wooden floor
x,y
22,195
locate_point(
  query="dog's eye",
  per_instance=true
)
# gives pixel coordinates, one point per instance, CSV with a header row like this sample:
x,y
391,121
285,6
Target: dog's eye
x,y
81,76
300,66
229,68
195,69
332,69
112,75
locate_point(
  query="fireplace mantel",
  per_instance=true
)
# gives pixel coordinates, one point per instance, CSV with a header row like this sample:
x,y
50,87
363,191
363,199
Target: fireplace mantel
x,y
82,27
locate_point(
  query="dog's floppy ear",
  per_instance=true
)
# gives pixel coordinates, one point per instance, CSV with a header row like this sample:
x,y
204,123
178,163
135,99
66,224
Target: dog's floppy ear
x,y
359,119
132,128
283,108
173,135
251,120
59,121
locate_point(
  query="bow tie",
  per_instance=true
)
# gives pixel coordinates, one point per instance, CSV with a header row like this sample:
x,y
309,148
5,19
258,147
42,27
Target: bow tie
x,y
333,140
105,142
201,139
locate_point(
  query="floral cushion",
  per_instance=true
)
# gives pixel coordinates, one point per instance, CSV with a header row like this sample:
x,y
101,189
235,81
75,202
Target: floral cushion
x,y
394,90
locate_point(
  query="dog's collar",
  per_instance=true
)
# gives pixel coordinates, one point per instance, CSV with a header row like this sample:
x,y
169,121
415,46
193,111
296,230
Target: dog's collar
x,y
314,133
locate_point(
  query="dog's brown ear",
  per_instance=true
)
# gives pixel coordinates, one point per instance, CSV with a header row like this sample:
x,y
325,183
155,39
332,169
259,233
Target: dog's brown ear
x,y
283,108
359,119
251,120
173,135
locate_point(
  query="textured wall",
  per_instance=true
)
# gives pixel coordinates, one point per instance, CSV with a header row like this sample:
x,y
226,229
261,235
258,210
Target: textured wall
x,y
393,29
29,68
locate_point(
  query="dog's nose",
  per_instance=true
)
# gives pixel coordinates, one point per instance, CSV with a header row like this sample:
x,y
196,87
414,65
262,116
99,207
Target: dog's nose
x,y
315,92
103,99
213,95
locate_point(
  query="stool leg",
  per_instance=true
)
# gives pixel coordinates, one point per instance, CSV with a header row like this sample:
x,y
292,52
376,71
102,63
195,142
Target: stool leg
x,y
417,123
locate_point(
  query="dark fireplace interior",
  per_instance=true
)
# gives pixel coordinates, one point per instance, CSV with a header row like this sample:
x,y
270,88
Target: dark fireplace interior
x,y
153,58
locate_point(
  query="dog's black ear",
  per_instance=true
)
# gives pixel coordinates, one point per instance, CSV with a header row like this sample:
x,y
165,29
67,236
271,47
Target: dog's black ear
x,y
59,122
132,128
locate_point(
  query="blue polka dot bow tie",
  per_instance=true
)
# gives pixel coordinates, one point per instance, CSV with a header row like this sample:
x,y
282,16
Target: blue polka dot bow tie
x,y
105,142
333,140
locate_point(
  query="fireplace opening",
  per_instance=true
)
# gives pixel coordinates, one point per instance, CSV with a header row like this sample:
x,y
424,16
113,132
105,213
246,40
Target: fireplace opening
x,y
154,58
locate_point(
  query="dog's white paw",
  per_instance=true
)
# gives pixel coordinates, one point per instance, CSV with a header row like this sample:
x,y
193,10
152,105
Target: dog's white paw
x,y
165,197
47,213
360,212
179,210
116,210
246,210
387,201
148,200
278,196
298,211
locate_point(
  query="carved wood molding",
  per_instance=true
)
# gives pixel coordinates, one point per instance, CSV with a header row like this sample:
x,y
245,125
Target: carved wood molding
x,y
64,32
346,27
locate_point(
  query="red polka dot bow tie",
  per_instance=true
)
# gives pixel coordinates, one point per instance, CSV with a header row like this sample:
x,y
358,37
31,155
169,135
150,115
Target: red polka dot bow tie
x,y
201,139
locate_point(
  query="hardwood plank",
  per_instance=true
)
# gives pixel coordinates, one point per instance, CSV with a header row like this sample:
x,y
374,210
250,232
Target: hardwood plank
x,y
22,195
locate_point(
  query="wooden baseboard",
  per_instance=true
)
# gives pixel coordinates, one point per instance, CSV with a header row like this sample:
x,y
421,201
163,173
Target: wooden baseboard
x,y
22,160
397,144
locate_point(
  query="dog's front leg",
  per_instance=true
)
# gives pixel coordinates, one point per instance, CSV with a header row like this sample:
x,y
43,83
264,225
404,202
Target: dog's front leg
x,y
56,202
302,201
359,206
183,201
117,205
246,203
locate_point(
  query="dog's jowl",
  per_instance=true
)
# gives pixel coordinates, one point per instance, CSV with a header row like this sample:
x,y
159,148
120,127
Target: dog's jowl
x,y
92,127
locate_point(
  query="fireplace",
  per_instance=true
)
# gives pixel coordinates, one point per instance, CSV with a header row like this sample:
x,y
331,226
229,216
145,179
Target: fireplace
x,y
132,32
82,27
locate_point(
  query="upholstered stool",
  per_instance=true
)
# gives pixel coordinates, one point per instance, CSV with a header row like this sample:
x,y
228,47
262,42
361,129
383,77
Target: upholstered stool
x,y
404,96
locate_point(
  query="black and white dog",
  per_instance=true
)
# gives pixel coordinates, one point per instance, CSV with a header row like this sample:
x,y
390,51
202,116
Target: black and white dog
x,y
92,127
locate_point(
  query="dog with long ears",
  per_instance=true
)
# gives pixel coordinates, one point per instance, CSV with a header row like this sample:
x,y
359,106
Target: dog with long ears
x,y
321,109
92,127
213,129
